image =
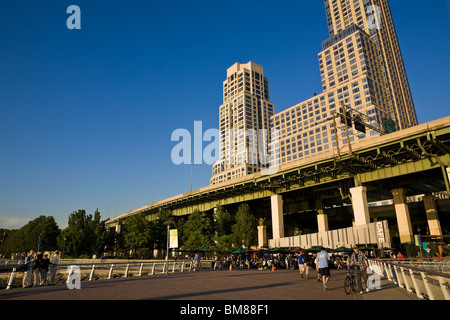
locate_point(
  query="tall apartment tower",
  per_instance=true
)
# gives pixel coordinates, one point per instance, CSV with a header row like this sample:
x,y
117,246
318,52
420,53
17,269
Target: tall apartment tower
x,y
374,17
246,108
362,68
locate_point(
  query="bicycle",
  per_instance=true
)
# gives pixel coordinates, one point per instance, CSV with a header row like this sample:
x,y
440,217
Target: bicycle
x,y
350,281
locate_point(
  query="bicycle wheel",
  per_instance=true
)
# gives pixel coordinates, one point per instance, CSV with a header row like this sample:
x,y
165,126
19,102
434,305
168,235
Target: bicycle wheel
x,y
348,285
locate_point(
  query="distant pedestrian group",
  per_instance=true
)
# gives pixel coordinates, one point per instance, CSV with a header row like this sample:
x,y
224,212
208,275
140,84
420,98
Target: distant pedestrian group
x,y
37,268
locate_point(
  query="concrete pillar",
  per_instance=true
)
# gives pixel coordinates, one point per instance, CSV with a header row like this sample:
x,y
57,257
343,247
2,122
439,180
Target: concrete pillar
x,y
277,216
322,221
432,215
118,228
322,218
262,236
360,206
403,217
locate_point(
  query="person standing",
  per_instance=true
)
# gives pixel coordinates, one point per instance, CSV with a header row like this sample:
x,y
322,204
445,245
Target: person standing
x,y
359,259
303,264
37,270
44,269
197,262
322,266
54,268
27,276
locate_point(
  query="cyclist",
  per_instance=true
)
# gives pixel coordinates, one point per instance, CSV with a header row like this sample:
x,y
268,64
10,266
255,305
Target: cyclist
x,y
359,260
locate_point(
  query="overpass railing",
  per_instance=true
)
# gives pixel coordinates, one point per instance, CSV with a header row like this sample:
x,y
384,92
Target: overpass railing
x,y
419,278
95,270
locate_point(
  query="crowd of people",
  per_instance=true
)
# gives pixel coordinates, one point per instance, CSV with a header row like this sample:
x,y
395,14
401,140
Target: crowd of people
x,y
304,261
264,261
37,267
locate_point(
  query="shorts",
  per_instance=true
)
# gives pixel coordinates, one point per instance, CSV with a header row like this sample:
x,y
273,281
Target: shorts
x,y
301,267
324,272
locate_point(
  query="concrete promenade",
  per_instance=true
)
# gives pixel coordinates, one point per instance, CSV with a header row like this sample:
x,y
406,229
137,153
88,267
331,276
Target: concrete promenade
x,y
211,285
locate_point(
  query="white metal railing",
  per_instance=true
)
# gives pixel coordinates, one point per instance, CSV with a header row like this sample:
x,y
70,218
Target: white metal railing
x,y
109,270
425,283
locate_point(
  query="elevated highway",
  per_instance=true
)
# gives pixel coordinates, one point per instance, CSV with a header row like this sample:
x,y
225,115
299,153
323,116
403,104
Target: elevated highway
x,y
410,162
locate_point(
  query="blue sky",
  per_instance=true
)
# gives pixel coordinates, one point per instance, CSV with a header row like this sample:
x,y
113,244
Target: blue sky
x,y
87,115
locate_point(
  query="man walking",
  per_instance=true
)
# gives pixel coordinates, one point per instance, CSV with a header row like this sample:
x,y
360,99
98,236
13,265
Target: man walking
x,y
359,259
322,267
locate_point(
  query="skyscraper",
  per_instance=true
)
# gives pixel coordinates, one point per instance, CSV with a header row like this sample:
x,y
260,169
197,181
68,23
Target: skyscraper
x,y
374,17
246,109
361,68
362,71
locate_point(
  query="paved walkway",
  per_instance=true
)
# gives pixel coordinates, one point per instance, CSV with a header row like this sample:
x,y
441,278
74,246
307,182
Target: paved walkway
x,y
211,285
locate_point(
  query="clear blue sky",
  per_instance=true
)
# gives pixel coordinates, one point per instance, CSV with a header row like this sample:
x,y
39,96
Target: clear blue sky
x,y
87,115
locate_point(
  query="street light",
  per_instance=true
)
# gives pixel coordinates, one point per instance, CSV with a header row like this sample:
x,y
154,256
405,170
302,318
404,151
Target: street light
x,y
167,223
153,201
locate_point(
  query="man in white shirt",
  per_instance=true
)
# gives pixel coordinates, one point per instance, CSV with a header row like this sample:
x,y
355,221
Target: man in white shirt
x,y
54,268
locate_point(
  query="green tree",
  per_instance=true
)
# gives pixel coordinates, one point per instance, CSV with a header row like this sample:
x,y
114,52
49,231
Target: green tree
x,y
158,230
82,235
136,232
224,243
222,221
100,234
27,237
197,231
245,227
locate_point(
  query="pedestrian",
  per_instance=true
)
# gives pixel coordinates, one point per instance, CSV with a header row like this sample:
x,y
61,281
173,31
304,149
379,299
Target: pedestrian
x,y
28,274
303,264
359,259
54,268
37,269
44,269
322,266
196,262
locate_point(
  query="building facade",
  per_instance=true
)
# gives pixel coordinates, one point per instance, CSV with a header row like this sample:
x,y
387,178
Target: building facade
x,y
363,75
244,123
362,69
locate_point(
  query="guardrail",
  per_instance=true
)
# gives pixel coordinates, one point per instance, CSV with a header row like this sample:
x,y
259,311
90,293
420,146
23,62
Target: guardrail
x,y
425,283
90,271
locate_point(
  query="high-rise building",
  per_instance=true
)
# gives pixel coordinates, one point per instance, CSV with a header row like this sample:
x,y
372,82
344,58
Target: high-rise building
x,y
361,68
244,123
362,71
374,18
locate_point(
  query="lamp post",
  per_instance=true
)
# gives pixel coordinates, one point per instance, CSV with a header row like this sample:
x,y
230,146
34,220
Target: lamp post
x,y
153,200
167,223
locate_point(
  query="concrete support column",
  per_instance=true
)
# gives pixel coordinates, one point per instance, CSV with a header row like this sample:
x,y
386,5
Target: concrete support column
x,y
403,217
432,216
118,228
322,221
262,236
360,206
277,216
322,218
